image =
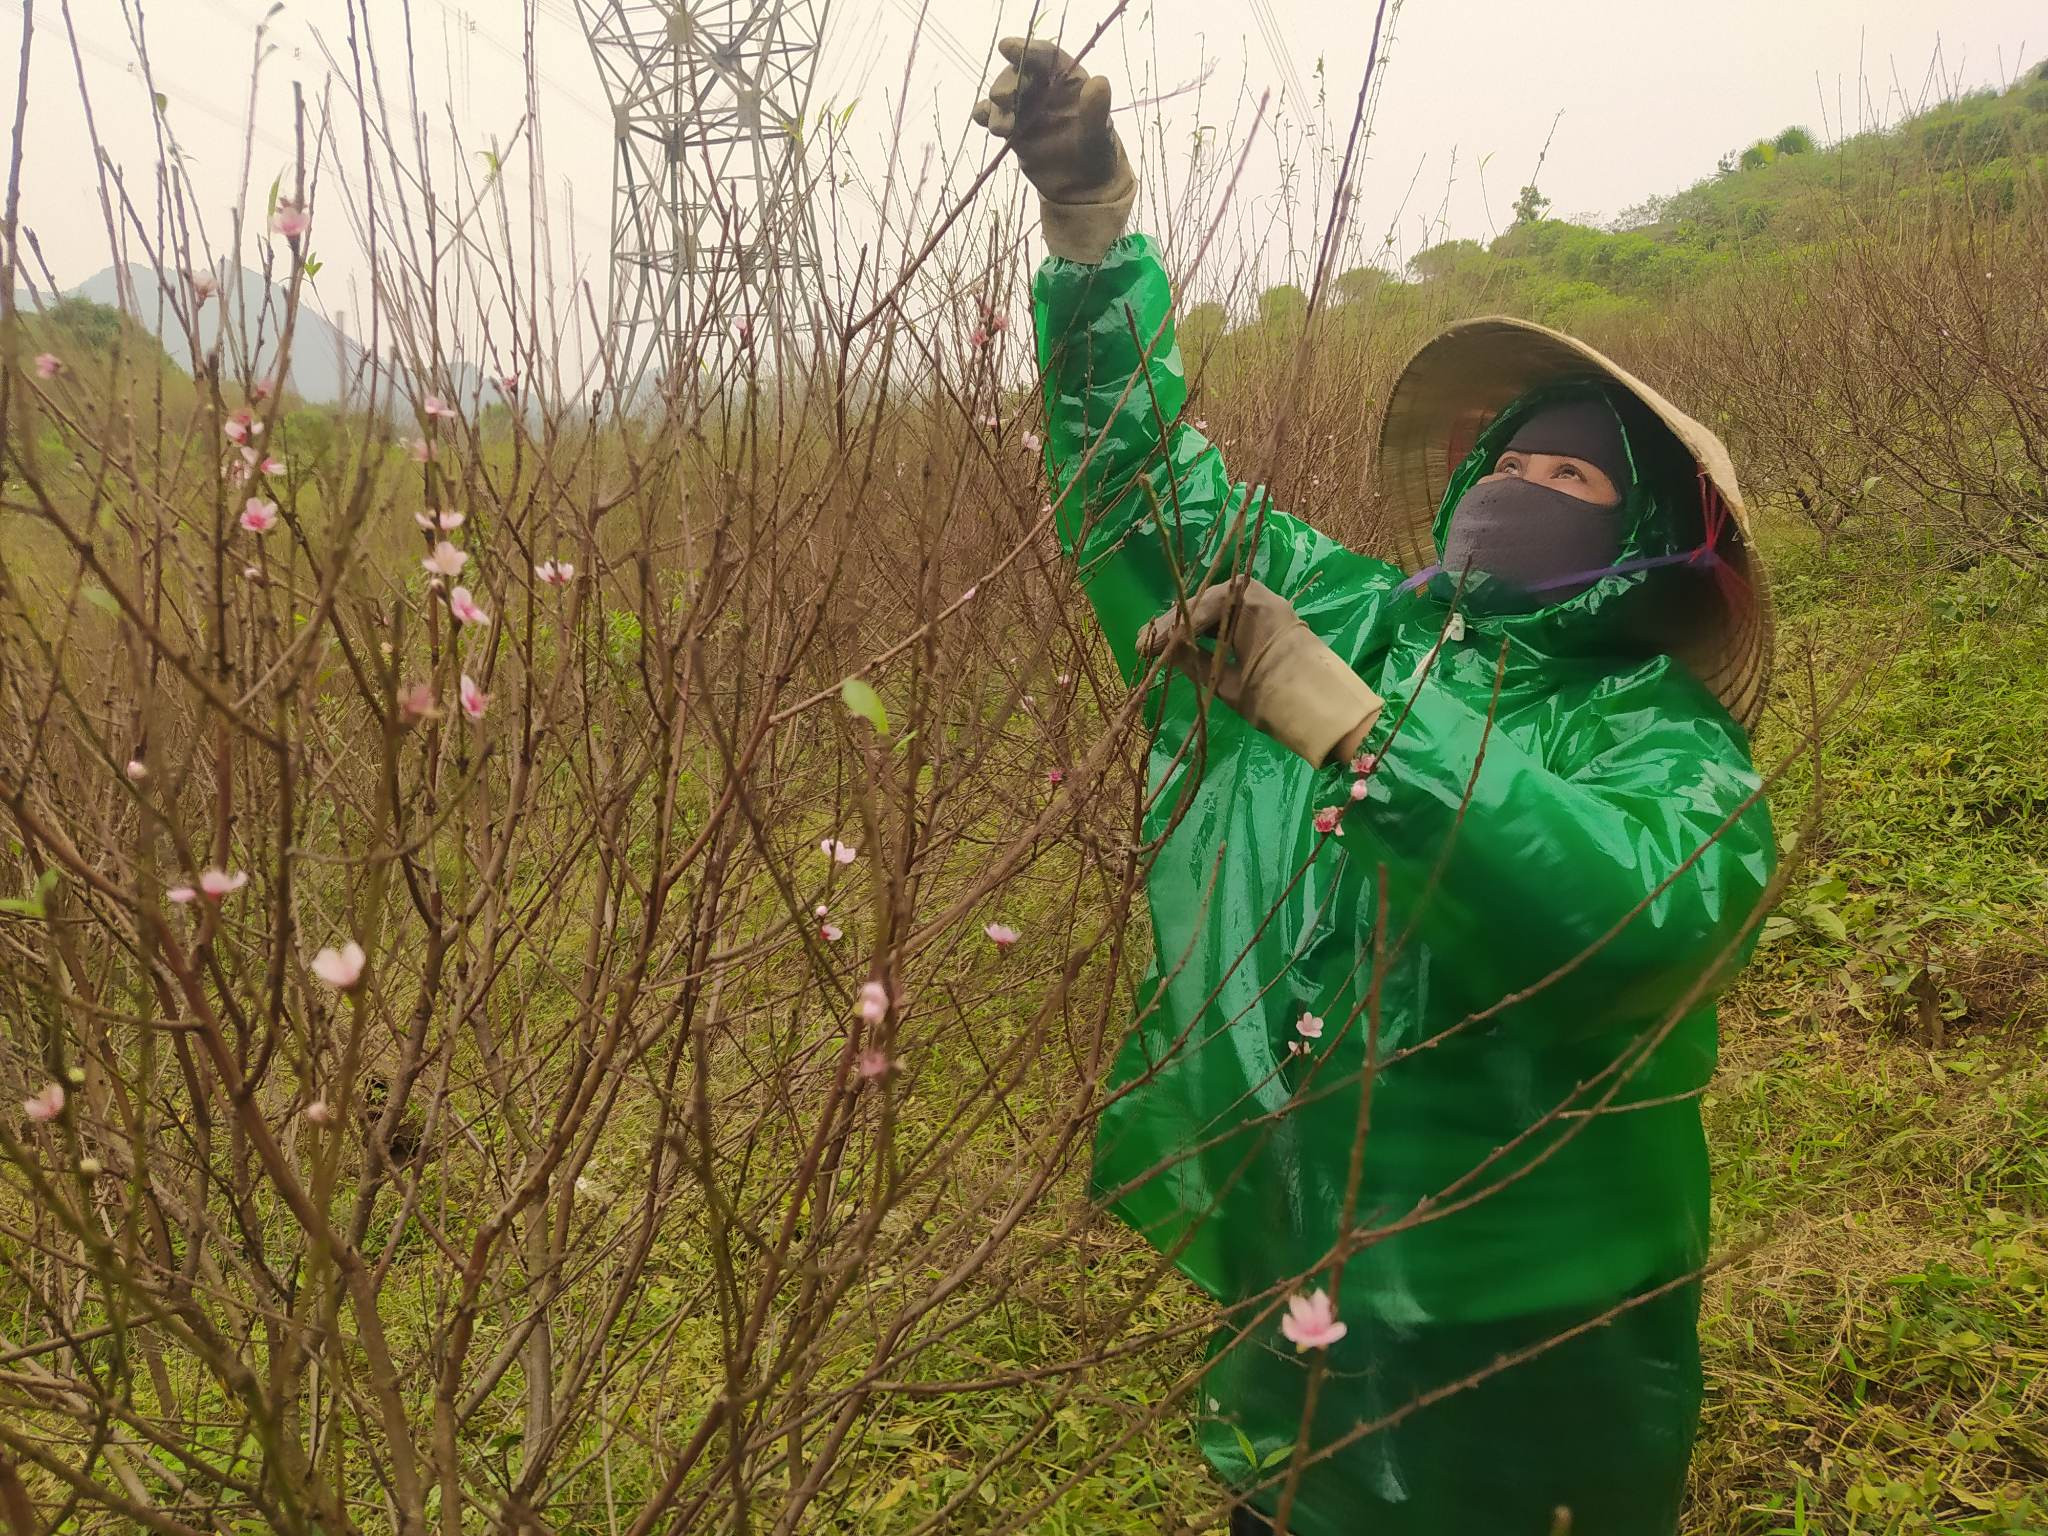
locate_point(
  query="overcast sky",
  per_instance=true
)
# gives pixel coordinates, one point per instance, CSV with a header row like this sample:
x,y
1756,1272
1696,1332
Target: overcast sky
x,y
1650,94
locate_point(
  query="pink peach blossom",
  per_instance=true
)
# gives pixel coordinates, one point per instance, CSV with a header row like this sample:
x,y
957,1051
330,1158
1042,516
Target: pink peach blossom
x,y
319,1112
446,560
474,700
48,365
556,573
204,286
46,1104
137,770
1364,763
237,427
1311,1322
831,933
465,609
437,409
1309,1027
292,219
1032,442
438,522
838,852
416,702
340,968
258,515
873,1002
873,1064
509,383
421,450
1360,789
1002,935
215,884
1056,776
1329,819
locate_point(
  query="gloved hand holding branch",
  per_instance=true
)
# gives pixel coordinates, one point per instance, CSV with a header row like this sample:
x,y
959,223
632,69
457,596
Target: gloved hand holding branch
x,y
1274,670
1056,117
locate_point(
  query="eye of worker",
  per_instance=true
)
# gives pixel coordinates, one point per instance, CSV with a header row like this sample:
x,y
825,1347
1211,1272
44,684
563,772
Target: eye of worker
x,y
1561,472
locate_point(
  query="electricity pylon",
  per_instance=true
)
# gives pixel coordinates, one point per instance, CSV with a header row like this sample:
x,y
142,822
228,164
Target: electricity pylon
x,y
713,240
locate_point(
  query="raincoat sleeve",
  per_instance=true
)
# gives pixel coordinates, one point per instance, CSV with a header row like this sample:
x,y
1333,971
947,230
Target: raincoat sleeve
x,y
1142,501
1637,851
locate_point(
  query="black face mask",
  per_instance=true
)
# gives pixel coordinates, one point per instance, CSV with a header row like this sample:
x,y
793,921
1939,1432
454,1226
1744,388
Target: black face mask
x,y
1545,545
1530,537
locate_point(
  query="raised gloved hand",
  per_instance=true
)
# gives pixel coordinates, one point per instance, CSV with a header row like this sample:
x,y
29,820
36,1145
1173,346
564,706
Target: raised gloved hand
x,y
1056,116
1275,673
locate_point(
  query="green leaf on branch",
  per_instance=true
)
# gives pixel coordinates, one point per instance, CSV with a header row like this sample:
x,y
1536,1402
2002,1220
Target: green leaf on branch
x,y
865,702
37,902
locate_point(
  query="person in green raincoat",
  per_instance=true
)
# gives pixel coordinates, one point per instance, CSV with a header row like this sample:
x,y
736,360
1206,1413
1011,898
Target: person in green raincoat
x,y
1450,867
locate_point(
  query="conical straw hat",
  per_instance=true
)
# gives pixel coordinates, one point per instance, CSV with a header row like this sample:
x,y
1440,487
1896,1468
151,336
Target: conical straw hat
x,y
1457,383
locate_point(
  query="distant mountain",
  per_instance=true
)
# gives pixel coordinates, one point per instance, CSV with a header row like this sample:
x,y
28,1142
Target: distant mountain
x,y
326,361
324,358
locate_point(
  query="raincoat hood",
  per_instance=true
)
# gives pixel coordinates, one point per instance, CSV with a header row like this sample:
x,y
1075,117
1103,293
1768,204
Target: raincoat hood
x,y
1455,406
1656,565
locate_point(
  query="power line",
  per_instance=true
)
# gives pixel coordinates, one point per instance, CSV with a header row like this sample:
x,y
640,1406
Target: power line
x,y
476,28
926,23
1276,49
198,101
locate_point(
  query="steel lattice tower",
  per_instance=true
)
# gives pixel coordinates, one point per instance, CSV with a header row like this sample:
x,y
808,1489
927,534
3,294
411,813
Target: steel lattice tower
x,y
711,216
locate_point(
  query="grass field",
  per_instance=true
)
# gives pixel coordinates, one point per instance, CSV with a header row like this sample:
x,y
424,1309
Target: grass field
x,y
1877,1343
1880,1362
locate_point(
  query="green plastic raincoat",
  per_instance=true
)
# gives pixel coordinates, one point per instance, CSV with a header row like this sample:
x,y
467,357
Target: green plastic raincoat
x,y
1529,1162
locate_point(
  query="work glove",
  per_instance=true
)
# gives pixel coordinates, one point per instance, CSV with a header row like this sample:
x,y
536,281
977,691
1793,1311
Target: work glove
x,y
1274,672
1056,117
